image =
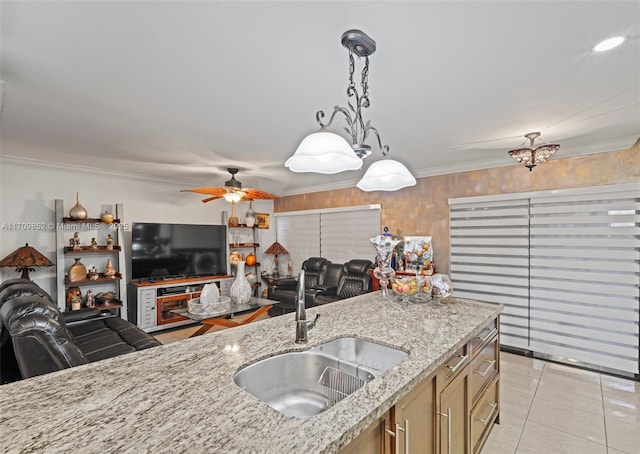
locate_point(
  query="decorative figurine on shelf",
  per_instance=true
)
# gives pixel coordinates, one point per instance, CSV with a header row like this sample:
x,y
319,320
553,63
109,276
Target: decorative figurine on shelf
x,y
93,274
109,242
74,298
109,271
71,243
91,302
94,244
76,242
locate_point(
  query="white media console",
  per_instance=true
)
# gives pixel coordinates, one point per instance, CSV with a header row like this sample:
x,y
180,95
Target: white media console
x,y
151,302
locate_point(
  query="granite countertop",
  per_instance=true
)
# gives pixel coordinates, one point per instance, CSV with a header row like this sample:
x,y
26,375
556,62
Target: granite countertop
x,y
181,396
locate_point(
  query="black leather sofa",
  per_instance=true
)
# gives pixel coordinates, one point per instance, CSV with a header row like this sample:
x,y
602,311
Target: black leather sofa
x,y
325,282
37,338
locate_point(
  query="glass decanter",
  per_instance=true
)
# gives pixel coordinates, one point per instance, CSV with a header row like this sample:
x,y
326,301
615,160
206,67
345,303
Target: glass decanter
x,y
384,244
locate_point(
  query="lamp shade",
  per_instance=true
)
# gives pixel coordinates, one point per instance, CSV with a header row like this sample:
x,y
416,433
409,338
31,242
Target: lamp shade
x,y
386,175
323,152
24,259
276,249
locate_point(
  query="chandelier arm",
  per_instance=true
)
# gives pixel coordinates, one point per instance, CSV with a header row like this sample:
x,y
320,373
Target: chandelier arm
x,y
342,110
384,149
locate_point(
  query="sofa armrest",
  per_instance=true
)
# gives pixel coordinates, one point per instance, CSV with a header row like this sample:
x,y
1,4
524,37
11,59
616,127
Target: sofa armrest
x,y
326,289
81,315
287,283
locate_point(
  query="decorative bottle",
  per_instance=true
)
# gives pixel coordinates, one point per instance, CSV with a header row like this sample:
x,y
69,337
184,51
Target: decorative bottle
x,y
240,291
78,212
250,216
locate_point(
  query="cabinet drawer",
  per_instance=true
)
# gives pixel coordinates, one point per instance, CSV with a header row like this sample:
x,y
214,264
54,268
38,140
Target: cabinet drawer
x,y
451,368
483,337
484,367
483,416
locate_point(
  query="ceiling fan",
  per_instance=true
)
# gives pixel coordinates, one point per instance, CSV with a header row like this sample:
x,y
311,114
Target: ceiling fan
x,y
232,191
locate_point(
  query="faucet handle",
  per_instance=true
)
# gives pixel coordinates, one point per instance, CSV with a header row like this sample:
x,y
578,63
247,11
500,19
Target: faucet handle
x,y
313,323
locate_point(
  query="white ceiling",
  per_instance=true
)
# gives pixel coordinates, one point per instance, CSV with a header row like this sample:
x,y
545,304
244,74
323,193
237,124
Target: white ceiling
x,y
181,90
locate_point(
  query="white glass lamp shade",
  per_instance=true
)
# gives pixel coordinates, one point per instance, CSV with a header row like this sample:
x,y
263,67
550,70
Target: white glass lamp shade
x,y
232,196
324,152
386,175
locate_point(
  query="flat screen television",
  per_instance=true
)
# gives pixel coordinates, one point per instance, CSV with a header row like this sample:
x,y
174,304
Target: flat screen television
x,y
165,251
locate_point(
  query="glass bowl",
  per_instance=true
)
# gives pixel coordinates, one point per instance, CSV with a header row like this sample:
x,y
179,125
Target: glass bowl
x,y
405,287
441,286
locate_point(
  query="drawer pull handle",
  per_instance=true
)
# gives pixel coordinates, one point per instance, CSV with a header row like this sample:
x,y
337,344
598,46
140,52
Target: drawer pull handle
x,y
488,336
484,421
458,364
489,368
448,416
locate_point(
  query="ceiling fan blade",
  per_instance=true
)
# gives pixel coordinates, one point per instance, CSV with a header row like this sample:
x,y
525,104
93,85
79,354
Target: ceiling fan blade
x,y
209,199
253,194
207,191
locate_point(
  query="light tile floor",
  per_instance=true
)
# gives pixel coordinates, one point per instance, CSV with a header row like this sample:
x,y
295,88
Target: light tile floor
x,y
549,408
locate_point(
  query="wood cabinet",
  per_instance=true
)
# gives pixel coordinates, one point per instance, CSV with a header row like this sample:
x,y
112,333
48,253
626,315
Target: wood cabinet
x,y
453,410
373,440
414,419
450,412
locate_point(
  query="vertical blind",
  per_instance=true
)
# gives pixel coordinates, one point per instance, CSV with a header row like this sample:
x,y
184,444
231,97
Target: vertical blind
x,y
337,235
570,266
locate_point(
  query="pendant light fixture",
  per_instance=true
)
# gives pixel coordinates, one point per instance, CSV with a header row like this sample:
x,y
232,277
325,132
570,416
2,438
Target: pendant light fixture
x,y
532,156
326,152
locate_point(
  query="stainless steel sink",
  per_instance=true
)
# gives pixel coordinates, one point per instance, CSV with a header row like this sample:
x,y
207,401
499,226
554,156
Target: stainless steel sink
x,y
370,356
303,384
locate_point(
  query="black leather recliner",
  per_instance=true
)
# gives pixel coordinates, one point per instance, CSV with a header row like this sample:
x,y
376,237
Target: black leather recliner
x,y
355,280
37,338
337,281
285,291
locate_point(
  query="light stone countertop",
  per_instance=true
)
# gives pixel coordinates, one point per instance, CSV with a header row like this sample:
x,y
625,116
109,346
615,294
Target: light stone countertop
x,y
181,397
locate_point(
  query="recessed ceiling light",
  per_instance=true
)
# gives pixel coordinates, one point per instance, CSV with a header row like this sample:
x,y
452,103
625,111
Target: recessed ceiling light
x,y
608,44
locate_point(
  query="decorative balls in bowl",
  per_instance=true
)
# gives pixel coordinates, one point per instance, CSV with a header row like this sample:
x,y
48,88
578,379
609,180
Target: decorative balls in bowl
x,y
405,286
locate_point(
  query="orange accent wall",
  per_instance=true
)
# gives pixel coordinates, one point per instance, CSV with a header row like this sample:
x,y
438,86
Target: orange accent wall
x,y
423,209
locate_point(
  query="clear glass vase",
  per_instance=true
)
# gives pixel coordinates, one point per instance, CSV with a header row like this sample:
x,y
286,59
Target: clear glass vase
x,y
240,291
384,244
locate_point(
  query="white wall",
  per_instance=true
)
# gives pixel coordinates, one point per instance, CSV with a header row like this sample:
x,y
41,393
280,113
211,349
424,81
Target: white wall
x,y
28,191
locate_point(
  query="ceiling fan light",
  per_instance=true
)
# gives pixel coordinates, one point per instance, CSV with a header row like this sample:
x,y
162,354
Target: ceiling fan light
x,y
232,197
386,175
323,152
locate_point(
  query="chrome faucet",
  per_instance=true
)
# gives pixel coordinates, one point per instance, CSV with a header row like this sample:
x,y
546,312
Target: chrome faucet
x,y
302,325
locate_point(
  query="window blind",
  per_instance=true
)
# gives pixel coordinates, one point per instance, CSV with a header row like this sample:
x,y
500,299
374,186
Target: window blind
x,y
585,274
566,265
490,261
338,235
299,235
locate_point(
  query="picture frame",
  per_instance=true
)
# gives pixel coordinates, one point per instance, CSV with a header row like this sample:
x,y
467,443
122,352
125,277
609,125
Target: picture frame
x,y
262,220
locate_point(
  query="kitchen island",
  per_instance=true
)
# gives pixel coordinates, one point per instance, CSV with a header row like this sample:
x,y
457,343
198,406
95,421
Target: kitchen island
x,y
181,397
